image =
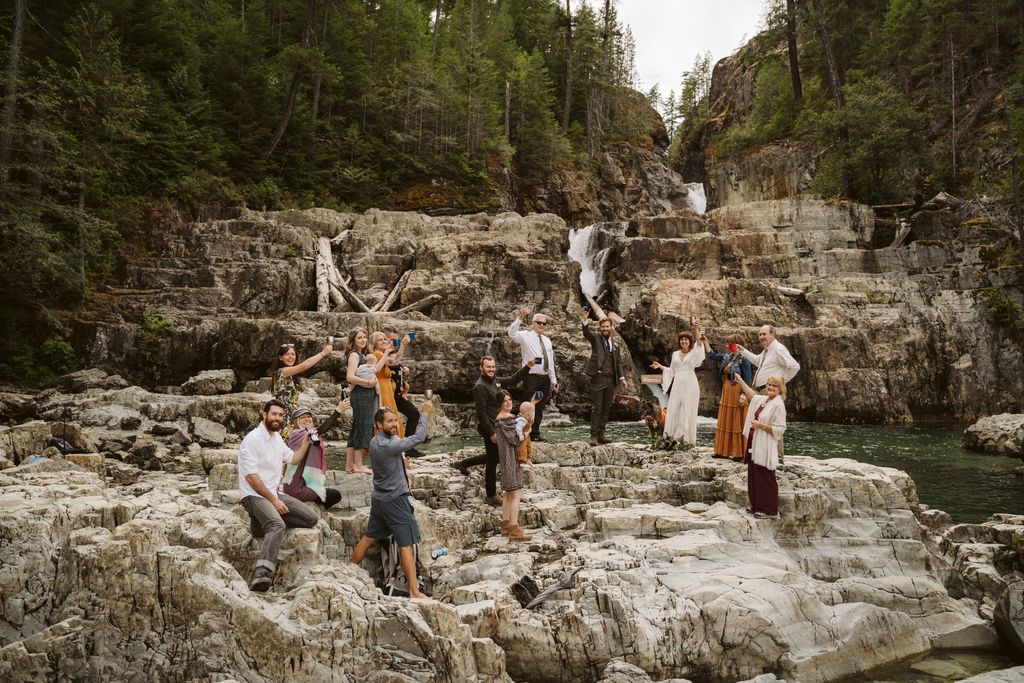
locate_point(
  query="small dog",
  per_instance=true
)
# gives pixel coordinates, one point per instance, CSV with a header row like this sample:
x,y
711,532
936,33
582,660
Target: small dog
x,y
653,416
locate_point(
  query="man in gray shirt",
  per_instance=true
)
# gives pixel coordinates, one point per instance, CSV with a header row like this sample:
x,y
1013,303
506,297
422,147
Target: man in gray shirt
x,y
391,512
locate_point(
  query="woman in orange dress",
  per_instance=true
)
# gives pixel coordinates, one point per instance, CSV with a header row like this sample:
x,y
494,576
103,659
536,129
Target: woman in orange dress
x,y
381,345
729,441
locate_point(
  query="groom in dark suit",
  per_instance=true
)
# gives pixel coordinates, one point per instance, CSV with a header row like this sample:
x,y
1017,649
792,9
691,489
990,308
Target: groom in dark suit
x,y
605,371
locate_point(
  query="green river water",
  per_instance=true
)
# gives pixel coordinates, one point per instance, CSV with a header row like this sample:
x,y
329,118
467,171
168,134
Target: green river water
x,y
969,486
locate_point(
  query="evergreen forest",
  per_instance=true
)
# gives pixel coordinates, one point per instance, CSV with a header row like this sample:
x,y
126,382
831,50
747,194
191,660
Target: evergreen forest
x,y
117,110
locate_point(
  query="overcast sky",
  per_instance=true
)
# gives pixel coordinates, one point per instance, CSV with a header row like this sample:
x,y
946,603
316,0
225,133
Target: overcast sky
x,y
670,33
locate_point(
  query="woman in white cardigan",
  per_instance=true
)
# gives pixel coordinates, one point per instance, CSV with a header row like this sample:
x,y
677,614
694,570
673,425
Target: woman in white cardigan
x,y
763,429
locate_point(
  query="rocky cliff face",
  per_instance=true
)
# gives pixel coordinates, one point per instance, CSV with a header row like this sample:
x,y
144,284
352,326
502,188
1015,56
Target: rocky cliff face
x,y
890,334
884,334
226,293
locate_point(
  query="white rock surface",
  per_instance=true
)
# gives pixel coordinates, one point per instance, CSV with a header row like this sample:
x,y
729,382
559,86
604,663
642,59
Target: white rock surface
x,y
677,582
998,434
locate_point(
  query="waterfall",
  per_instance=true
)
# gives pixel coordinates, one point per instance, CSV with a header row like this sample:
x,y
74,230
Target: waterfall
x,y
591,247
698,200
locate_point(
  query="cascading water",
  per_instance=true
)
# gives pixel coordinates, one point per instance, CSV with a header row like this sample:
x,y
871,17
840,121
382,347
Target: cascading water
x,y
590,247
698,200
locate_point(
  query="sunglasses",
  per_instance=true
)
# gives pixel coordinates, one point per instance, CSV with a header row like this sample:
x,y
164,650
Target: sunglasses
x,y
540,322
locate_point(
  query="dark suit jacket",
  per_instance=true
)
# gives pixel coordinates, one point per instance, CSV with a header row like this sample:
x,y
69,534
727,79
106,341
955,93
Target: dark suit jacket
x,y
598,354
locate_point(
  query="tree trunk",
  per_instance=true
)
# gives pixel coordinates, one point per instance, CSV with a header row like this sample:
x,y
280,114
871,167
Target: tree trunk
x,y
568,66
319,69
794,56
508,107
293,91
82,277
436,33
952,106
11,91
834,77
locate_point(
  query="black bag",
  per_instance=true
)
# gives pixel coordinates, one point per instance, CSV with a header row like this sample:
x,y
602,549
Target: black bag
x,y
392,580
61,445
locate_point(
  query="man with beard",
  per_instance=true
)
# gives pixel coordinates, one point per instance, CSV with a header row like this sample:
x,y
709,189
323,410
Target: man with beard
x,y
391,511
260,458
605,372
485,396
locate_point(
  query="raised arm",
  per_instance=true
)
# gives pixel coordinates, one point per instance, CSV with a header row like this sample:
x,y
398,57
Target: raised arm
x,y
745,388
754,360
308,363
513,329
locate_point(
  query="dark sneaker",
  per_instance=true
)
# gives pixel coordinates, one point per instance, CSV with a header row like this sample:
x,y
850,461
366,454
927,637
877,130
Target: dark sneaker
x,y
530,585
521,594
262,580
462,469
414,453
539,439
493,500
603,439
594,441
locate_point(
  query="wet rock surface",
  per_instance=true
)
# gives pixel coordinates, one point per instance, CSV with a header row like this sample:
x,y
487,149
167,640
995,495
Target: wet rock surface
x,y
997,434
138,575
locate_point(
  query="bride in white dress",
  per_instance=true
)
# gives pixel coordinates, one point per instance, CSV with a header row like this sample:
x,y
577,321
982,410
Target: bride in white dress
x,y
680,384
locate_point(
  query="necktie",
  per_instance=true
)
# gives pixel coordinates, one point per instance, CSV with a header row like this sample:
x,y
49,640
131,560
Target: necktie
x,y
544,351
609,344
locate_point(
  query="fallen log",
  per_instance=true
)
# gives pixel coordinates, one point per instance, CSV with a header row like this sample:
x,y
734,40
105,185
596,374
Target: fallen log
x,y
422,303
600,312
384,305
337,282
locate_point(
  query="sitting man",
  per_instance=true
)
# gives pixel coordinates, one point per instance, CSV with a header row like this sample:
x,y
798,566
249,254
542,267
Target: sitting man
x,y
390,509
260,458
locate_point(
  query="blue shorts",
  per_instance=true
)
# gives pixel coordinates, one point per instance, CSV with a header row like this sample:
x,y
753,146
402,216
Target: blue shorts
x,y
394,517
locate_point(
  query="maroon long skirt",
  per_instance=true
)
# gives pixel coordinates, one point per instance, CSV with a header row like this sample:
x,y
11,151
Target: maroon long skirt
x,y
762,489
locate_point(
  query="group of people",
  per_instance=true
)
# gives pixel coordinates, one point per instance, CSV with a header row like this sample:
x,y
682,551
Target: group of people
x,y
751,408
751,423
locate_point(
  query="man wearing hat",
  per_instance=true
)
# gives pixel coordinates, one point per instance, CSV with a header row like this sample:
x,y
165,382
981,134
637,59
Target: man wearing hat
x,y
306,481
536,345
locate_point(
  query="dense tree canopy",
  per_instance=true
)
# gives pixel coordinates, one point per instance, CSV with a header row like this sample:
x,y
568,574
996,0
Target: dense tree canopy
x,y
929,82
113,105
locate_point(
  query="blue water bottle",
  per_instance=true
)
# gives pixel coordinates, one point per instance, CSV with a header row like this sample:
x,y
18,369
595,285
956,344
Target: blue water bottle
x,y
438,553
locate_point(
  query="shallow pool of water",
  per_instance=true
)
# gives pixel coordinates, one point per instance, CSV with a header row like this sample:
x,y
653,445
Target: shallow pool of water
x,y
969,486
943,667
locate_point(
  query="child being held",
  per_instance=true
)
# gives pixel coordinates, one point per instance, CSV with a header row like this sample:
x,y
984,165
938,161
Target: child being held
x,y
369,371
524,451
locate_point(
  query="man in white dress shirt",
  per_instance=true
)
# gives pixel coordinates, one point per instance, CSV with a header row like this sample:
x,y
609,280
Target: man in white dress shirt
x,y
774,359
260,458
536,345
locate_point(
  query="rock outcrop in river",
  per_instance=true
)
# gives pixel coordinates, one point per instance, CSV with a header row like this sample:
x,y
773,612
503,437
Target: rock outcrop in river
x,y
113,572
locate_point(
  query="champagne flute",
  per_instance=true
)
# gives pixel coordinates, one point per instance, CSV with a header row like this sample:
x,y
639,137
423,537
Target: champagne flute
x,y
428,394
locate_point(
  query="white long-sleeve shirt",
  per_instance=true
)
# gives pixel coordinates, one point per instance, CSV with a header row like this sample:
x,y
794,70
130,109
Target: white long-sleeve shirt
x,y
530,344
262,453
772,361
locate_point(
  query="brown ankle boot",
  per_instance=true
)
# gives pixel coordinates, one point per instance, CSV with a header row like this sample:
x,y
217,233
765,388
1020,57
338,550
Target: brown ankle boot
x,y
505,527
515,533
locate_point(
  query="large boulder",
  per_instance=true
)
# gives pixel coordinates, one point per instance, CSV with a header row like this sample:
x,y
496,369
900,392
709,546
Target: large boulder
x,y
1009,616
997,434
210,383
207,432
92,378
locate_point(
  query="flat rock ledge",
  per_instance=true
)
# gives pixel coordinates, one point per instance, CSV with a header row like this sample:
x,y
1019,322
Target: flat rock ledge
x,y
997,434
142,575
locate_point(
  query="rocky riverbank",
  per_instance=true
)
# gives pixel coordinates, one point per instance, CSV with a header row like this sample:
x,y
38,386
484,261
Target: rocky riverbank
x,y
112,571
